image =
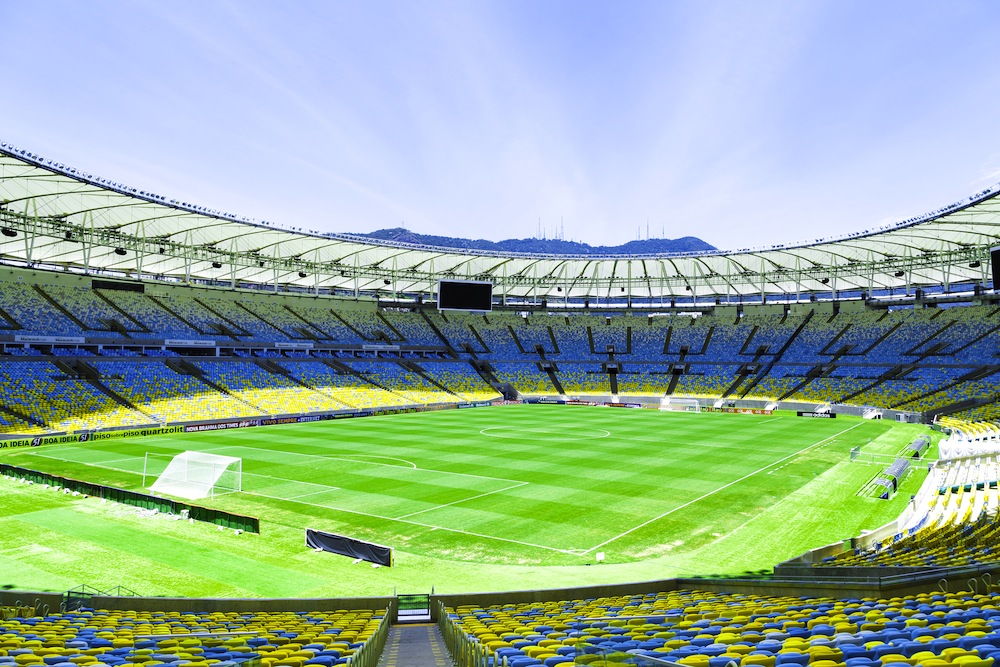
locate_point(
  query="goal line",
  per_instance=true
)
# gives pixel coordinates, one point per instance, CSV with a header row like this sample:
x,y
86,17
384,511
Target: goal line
x,y
674,404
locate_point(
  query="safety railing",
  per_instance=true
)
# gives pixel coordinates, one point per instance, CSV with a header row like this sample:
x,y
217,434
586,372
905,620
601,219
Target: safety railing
x,y
371,652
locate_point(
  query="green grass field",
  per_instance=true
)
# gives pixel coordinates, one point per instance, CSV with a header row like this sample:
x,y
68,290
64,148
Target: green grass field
x,y
499,498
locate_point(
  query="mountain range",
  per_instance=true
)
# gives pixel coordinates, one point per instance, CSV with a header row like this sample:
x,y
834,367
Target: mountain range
x,y
546,246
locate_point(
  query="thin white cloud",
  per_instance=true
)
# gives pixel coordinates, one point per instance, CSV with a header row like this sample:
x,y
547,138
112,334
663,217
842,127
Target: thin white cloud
x,y
742,124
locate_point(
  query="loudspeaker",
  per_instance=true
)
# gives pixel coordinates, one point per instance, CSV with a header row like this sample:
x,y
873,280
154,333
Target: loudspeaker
x,y
995,266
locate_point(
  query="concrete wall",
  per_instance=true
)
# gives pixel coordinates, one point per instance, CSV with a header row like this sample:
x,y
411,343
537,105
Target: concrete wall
x,y
859,582
833,589
240,604
31,599
167,289
553,595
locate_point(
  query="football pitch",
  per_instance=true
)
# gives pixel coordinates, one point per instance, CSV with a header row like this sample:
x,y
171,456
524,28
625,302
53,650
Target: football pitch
x,y
495,498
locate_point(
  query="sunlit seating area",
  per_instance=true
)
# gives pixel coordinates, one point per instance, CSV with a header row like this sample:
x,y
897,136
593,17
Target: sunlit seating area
x,y
705,629
168,396
221,639
911,359
61,402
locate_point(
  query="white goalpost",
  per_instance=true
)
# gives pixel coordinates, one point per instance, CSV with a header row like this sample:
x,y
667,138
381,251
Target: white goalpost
x,y
676,404
193,475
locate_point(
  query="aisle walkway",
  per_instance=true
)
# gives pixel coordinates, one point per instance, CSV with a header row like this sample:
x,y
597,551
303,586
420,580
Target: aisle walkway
x,y
415,645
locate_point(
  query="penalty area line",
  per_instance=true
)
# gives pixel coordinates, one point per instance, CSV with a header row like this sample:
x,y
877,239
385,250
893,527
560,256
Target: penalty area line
x,y
423,525
462,500
724,486
313,493
349,460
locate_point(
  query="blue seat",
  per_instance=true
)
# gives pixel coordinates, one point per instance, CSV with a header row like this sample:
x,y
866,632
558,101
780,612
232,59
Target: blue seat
x,y
557,660
721,661
857,652
523,662
509,652
862,662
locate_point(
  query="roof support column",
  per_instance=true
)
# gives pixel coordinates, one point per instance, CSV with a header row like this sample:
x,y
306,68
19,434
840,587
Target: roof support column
x,y
140,253
503,291
629,293
29,239
763,298
798,278
534,282
187,257
87,241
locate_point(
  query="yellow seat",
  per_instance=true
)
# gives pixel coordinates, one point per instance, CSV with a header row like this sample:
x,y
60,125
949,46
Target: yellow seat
x,y
973,661
762,660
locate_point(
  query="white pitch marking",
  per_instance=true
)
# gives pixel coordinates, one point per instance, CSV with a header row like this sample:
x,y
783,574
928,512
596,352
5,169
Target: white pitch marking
x,y
528,431
368,514
95,465
423,525
373,456
773,419
130,458
371,463
313,493
462,500
135,472
725,486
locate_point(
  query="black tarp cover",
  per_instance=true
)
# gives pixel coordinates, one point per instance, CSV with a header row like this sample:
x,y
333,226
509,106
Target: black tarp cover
x,y
346,546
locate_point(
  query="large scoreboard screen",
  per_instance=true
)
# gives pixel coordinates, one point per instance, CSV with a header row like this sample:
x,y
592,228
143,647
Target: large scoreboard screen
x,y
465,295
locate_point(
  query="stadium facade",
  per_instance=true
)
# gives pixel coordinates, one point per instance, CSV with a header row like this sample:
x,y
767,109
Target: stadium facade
x,y
56,217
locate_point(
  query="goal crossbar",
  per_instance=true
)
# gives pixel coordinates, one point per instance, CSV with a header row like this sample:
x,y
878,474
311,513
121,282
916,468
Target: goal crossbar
x,y
194,475
680,404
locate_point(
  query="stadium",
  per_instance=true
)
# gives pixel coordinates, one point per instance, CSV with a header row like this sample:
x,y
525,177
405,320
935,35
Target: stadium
x,y
700,458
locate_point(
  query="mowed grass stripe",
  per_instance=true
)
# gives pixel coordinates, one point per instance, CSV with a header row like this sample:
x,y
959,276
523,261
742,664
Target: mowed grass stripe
x,y
721,488
239,571
553,480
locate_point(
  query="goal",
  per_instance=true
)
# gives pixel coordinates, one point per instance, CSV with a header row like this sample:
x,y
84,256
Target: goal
x,y
193,475
680,404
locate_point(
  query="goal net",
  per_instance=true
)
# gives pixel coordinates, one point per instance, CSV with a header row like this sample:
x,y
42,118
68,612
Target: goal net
x,y
680,404
194,475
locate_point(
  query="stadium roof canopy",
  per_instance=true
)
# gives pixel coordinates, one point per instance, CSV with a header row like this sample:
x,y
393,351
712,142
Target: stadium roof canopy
x,y
55,216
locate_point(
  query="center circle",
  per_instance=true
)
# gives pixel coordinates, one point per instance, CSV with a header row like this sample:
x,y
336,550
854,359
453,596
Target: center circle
x,y
536,433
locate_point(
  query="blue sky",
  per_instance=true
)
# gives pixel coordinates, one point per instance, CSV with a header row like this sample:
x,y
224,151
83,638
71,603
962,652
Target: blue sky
x,y
743,123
